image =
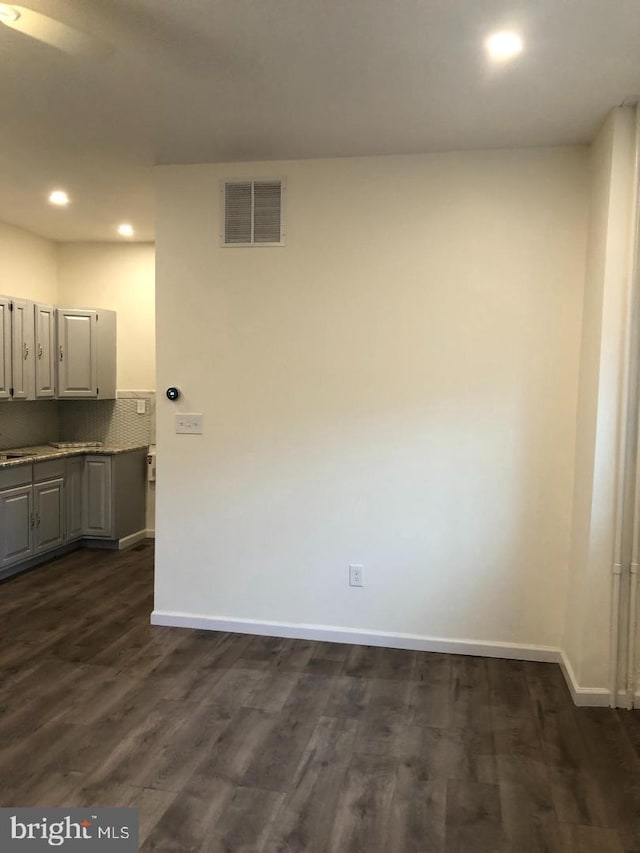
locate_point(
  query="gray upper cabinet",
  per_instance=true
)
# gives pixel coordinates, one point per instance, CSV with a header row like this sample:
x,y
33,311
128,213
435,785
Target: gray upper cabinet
x,y
22,350
77,356
45,351
86,353
5,347
48,352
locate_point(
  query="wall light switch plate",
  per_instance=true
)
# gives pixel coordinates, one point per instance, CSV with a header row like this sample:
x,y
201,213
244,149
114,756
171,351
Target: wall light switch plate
x,y
141,407
189,424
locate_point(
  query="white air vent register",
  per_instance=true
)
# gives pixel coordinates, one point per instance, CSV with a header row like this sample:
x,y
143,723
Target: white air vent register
x,y
252,212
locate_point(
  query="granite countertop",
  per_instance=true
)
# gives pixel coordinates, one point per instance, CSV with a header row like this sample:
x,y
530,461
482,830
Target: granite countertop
x,y
45,452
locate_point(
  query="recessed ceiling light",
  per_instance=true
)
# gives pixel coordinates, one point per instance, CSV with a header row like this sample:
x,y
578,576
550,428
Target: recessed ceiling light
x,y
504,45
125,230
59,197
8,14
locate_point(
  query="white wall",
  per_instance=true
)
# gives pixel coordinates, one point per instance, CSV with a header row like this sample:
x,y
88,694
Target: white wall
x,y
28,265
600,400
120,277
396,387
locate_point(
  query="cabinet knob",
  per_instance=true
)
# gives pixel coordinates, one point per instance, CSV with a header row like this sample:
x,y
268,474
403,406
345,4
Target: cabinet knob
x,y
26,350
61,353
40,351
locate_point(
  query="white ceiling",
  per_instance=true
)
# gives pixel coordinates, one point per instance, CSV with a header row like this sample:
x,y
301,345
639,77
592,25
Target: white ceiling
x,y
195,81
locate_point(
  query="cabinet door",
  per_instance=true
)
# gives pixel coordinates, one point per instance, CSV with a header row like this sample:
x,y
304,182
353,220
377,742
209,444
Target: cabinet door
x,y
76,355
22,346
73,492
44,352
97,513
49,515
16,525
5,347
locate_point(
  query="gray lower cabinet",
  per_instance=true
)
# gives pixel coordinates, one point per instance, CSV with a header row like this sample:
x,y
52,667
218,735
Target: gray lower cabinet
x,y
31,514
73,490
48,507
113,502
16,525
96,502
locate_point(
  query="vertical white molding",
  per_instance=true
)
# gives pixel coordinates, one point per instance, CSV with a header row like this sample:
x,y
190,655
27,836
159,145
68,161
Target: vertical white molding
x,y
627,396
631,639
630,685
614,632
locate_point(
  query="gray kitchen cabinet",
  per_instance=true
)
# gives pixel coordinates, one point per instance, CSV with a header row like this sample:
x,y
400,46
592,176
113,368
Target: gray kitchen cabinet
x,y
16,525
50,506
86,353
77,353
32,514
113,504
22,350
5,347
45,351
96,499
48,352
73,490
48,503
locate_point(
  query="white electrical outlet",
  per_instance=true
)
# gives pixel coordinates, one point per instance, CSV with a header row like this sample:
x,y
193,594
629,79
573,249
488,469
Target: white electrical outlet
x,y
356,574
189,424
141,407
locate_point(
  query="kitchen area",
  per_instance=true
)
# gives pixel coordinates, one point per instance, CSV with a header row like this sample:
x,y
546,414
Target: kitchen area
x,y
75,462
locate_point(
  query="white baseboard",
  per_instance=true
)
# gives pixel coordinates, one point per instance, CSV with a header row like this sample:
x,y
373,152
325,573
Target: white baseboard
x,y
593,697
131,540
582,696
150,533
331,634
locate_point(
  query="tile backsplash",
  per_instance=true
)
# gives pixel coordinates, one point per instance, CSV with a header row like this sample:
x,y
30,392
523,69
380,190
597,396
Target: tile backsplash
x,y
109,421
25,423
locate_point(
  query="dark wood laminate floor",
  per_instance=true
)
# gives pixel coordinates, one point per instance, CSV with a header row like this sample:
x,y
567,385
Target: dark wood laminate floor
x,y
227,742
